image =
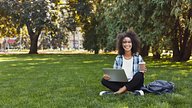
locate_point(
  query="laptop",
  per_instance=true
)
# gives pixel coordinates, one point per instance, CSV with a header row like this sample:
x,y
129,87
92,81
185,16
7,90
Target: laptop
x,y
117,75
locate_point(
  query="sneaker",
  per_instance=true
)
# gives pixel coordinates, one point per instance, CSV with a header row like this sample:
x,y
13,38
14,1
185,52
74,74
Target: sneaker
x,y
105,93
138,92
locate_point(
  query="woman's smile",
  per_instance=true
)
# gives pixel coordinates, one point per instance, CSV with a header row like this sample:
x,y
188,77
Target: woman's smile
x,y
127,44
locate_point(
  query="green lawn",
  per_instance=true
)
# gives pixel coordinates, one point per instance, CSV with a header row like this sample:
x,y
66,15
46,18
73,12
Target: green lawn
x,y
73,81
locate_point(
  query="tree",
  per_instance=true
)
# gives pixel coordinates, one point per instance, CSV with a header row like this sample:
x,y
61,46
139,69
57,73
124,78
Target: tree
x,y
176,27
120,16
7,28
37,15
157,22
29,13
85,12
182,30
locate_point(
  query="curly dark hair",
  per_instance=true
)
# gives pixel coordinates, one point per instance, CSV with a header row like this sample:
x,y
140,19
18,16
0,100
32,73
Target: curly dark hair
x,y
134,39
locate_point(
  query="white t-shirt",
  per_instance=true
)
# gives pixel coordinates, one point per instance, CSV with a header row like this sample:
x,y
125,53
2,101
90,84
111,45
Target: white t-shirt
x,y
128,68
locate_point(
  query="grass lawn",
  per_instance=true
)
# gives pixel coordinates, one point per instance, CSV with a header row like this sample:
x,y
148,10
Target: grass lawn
x,y
73,81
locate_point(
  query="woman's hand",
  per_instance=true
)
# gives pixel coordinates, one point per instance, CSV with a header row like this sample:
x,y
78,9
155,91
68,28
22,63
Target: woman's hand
x,y
142,67
106,77
145,70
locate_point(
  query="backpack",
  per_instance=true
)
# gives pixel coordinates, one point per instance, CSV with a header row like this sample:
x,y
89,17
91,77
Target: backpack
x,y
159,87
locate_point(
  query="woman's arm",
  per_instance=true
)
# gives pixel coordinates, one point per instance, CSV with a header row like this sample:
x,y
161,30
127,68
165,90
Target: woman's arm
x,y
118,62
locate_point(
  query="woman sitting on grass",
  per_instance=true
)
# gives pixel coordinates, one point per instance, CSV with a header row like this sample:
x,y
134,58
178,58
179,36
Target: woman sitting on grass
x,y
128,59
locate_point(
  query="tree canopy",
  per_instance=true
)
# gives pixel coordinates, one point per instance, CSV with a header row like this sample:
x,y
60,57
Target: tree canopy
x,y
160,24
157,22
37,15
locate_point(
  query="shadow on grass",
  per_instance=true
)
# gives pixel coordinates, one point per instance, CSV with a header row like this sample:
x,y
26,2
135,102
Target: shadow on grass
x,y
73,80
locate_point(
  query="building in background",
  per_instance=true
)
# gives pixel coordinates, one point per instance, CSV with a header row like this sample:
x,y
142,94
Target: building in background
x,y
75,40
7,43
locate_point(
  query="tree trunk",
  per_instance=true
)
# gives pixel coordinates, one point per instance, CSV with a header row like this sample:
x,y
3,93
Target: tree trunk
x,y
156,55
155,51
182,51
96,50
188,39
33,37
188,47
144,50
33,47
176,54
175,45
